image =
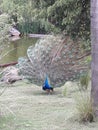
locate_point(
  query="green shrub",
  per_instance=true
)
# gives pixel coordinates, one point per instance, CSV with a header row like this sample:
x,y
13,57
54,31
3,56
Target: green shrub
x,y
69,88
84,81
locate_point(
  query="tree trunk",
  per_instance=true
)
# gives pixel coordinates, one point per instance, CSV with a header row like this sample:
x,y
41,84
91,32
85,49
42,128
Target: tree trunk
x,y
94,45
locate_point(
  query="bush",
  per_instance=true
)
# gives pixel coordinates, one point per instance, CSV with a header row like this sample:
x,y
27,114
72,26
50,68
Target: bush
x,y
84,107
69,88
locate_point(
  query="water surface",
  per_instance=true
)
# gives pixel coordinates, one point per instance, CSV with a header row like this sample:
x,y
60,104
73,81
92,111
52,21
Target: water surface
x,y
16,49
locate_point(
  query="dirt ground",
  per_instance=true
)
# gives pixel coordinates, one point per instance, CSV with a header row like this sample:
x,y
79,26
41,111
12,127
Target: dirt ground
x,y
26,106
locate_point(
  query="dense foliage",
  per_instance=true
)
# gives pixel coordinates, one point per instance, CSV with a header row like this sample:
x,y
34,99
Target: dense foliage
x,y
4,30
42,16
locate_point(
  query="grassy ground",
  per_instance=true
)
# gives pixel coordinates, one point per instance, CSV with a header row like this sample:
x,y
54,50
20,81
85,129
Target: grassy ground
x,y
26,107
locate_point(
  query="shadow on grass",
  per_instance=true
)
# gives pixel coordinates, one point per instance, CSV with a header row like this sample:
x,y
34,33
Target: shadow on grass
x,y
40,92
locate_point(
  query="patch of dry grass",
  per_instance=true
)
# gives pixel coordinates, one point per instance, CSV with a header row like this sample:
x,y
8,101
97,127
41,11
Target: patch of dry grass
x,y
84,107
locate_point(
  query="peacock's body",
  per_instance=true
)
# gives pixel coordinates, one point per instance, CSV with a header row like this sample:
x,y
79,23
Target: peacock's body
x,y
46,86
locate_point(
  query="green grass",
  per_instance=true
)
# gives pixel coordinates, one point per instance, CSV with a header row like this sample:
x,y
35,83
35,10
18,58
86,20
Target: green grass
x,y
32,109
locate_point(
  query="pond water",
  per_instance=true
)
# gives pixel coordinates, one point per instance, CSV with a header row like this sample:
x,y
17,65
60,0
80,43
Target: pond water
x,y
17,49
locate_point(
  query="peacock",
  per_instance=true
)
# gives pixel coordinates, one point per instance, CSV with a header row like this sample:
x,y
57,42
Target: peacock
x,y
46,86
59,57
